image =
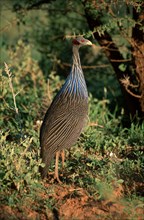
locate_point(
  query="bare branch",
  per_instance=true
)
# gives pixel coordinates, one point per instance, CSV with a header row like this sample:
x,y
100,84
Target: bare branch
x,y
132,94
126,83
83,66
95,124
11,86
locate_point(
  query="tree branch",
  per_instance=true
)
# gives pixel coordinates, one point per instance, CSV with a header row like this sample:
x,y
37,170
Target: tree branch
x,y
111,50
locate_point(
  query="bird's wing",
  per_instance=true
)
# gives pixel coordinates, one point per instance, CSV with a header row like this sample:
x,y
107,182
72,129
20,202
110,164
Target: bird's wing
x,y
59,124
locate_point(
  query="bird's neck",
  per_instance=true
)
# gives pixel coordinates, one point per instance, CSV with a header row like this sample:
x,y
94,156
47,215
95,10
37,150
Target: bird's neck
x,y
76,58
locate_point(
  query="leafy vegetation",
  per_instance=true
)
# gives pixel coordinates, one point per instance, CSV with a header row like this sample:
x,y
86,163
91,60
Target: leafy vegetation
x,y
103,173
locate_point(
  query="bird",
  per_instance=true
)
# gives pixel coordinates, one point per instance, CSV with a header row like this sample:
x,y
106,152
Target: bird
x,y
67,114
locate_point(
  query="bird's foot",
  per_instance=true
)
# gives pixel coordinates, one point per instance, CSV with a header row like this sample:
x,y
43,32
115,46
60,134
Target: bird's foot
x,y
56,177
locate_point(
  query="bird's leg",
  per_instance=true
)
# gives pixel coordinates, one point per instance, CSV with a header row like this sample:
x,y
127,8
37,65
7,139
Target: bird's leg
x,y
56,175
63,158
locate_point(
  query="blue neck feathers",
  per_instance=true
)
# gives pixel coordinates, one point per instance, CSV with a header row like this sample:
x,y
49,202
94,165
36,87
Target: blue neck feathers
x,y
75,85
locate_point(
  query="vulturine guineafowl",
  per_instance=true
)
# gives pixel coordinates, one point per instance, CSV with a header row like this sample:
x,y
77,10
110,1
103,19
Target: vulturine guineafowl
x,y
67,114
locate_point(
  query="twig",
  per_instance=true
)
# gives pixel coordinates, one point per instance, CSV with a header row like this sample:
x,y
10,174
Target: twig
x,y
83,66
48,91
13,95
11,86
94,124
120,61
132,94
126,83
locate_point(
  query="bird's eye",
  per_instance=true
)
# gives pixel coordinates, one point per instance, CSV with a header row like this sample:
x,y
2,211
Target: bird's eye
x,y
82,41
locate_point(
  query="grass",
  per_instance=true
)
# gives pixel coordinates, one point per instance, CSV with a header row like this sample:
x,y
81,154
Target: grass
x,y
103,171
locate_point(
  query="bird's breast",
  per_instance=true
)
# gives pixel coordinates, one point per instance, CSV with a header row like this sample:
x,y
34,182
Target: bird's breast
x,y
73,96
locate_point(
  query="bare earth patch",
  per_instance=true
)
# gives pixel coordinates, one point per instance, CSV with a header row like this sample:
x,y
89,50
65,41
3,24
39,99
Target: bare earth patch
x,y
73,203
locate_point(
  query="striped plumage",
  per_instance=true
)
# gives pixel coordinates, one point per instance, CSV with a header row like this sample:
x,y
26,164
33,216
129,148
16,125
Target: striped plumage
x,y
67,114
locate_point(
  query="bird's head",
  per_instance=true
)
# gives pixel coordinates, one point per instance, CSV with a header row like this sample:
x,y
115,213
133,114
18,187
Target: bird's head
x,y
81,41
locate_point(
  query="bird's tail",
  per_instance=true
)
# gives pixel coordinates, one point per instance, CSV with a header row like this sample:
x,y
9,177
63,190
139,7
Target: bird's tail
x,y
44,170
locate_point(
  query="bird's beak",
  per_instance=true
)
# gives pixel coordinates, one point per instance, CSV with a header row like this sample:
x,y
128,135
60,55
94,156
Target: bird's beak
x,y
81,41
88,42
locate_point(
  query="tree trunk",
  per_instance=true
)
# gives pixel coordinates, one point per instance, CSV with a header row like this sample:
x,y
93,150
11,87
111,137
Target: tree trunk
x,y
138,52
133,99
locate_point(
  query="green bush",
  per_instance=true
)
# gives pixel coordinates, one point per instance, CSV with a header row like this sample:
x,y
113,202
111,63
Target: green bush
x,y
19,163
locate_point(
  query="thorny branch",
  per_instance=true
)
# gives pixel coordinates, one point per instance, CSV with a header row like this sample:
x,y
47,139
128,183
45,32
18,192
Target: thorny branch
x,y
126,82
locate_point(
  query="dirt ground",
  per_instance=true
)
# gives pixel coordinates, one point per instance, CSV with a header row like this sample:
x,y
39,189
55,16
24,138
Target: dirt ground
x,y
73,203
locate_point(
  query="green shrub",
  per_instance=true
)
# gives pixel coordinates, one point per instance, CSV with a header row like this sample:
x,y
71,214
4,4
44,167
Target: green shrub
x,y
19,163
